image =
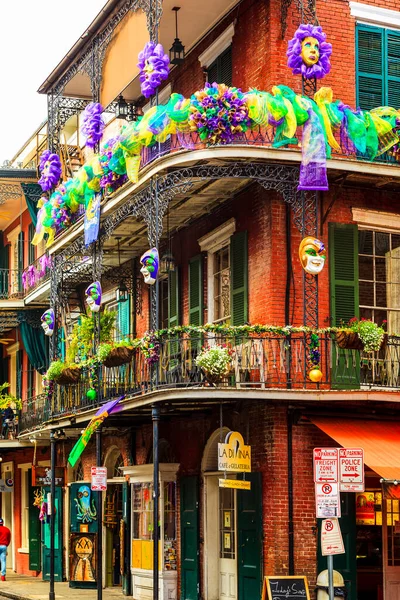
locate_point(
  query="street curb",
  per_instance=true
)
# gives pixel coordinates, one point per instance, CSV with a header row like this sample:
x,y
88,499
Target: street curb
x,y
13,596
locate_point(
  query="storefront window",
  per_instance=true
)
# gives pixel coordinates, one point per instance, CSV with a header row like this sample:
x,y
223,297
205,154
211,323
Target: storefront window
x,y
369,529
393,533
227,522
143,511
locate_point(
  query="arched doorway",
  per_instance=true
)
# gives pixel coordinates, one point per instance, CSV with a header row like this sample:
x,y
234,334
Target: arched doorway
x,y
232,531
113,515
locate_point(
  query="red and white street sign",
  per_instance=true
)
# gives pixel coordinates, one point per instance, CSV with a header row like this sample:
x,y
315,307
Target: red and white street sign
x,y
325,465
99,479
351,469
331,538
327,500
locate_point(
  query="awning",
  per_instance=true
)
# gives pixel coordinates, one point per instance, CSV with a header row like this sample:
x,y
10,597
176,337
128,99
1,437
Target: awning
x,y
379,439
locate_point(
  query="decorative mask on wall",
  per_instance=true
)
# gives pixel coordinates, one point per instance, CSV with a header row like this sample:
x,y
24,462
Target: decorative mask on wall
x,y
85,506
48,319
150,262
312,257
308,52
93,296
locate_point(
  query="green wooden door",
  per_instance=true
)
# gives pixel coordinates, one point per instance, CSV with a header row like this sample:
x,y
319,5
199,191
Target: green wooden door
x,y
346,563
249,527
189,497
343,273
126,515
58,545
35,542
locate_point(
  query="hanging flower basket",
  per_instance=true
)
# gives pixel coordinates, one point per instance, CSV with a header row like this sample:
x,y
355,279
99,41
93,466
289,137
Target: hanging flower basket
x,y
349,340
119,356
69,376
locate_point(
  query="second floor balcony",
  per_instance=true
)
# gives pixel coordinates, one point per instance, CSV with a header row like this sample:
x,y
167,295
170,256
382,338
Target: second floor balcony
x,y
259,363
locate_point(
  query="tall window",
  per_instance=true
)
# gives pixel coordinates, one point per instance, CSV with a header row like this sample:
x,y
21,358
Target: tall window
x,y
30,392
222,285
31,249
25,508
220,71
378,67
379,277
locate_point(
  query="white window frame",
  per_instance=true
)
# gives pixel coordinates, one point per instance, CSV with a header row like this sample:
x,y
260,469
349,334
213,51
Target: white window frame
x,y
217,47
211,243
375,15
24,508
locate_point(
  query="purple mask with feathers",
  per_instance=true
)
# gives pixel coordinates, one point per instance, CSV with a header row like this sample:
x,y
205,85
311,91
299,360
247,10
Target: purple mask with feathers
x,y
93,124
295,59
50,169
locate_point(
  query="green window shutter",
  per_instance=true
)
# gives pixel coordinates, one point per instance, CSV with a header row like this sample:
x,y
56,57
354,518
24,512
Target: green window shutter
x,y
124,318
196,291
212,72
20,259
343,273
225,67
239,276
370,61
31,249
343,263
19,373
61,348
173,298
35,526
393,68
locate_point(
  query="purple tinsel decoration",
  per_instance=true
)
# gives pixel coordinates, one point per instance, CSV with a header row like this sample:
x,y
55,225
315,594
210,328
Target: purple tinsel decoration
x,y
154,68
295,61
44,264
50,169
93,124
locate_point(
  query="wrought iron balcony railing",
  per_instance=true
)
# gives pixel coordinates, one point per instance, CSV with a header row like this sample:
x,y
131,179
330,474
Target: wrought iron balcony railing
x,y
11,285
268,362
36,274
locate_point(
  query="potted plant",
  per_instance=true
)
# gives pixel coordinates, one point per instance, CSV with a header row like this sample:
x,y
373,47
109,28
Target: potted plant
x,y
360,334
215,362
115,354
63,373
8,400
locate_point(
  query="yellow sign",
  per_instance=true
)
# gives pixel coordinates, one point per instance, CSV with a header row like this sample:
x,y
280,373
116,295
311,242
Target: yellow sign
x,y
233,455
236,484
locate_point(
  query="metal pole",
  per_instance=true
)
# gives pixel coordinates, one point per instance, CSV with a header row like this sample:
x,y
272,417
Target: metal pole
x,y
155,415
99,523
330,578
52,515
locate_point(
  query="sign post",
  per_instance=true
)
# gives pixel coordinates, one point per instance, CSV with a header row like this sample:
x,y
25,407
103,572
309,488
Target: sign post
x,y
330,578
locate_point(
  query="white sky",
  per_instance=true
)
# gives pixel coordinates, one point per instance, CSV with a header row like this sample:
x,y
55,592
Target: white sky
x,y
35,35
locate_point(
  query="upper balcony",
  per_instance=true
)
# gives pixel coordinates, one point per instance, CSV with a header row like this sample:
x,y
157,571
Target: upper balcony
x,y
265,365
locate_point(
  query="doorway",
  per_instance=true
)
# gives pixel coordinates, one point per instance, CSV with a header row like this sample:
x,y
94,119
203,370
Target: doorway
x,y
58,542
391,548
232,532
113,514
7,513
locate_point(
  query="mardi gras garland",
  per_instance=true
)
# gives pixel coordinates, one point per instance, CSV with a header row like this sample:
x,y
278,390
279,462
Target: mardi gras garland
x,y
219,115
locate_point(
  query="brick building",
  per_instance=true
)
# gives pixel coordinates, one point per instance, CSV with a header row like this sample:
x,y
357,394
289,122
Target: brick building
x,y
227,220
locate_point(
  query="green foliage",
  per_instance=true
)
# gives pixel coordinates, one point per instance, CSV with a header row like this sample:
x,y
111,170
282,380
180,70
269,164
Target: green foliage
x,y
7,399
215,360
81,342
369,333
103,351
55,369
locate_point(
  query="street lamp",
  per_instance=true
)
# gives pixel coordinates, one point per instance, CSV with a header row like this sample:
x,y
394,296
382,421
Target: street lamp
x,y
122,294
177,50
122,111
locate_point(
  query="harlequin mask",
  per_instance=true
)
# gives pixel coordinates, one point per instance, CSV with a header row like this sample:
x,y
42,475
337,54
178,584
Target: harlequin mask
x,y
93,296
47,319
311,252
150,262
310,51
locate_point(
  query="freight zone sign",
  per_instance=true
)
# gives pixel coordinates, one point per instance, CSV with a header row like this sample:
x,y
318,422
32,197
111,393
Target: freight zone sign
x,y
325,465
351,469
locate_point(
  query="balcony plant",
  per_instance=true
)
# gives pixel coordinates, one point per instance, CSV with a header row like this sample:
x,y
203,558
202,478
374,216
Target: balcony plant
x,y
8,400
63,373
115,354
360,334
215,362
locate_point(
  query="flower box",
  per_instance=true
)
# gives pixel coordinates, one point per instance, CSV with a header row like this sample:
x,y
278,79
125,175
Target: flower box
x,y
119,356
69,376
349,340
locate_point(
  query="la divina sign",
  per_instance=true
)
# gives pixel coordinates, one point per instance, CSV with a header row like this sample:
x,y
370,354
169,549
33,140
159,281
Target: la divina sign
x,y
233,455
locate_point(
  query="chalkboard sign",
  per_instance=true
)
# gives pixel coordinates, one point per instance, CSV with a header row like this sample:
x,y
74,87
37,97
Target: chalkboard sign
x,y
292,587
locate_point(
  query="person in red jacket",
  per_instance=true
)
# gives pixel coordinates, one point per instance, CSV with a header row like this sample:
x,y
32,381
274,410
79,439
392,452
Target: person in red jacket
x,y
5,539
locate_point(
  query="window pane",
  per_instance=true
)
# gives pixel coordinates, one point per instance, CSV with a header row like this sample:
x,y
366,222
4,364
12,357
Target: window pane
x,y
381,265
380,291
365,244
366,293
382,243
366,267
222,284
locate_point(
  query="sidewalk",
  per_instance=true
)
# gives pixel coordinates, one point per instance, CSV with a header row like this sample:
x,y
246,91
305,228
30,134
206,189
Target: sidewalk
x,y
23,587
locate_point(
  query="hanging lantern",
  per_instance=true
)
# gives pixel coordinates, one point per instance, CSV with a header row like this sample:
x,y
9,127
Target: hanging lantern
x,y
177,50
167,263
122,111
122,293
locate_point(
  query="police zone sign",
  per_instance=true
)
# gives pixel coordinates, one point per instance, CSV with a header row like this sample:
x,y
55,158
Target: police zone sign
x,y
351,470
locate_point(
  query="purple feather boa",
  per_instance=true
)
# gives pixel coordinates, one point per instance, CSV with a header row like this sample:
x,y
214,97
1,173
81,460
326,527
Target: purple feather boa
x,y
154,68
93,124
50,169
295,61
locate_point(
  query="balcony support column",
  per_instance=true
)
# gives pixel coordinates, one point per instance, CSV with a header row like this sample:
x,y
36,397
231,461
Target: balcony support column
x,y
52,594
155,415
